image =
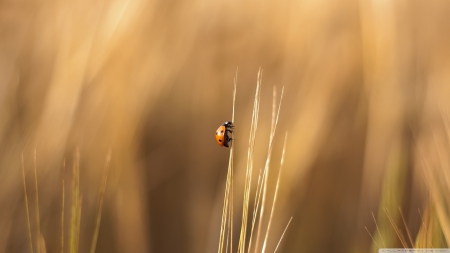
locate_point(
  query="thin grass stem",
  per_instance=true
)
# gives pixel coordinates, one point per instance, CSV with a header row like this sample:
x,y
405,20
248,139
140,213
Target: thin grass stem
x,y
38,220
275,196
227,212
77,244
63,188
406,227
266,168
395,227
258,194
378,229
425,227
26,205
372,237
100,203
282,235
250,154
75,206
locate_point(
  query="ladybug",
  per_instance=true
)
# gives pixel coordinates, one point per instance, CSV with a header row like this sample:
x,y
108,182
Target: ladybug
x,y
222,137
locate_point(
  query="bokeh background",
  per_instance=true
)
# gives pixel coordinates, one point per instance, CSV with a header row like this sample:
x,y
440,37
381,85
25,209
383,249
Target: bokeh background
x,y
366,107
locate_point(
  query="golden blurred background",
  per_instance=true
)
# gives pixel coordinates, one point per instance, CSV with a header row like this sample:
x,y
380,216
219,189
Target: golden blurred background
x,y
366,107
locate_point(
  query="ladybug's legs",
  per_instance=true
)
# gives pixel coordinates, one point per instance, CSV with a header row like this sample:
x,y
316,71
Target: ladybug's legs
x,y
228,140
229,129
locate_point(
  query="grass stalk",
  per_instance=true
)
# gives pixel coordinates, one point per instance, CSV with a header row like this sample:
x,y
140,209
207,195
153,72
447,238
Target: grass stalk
x,y
250,154
75,206
282,235
275,194
226,237
100,204
258,194
373,239
266,171
227,212
425,227
26,205
391,220
63,188
77,244
406,227
38,220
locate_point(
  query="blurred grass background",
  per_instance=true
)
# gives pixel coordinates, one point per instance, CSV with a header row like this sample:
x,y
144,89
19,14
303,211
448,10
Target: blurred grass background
x,y
366,106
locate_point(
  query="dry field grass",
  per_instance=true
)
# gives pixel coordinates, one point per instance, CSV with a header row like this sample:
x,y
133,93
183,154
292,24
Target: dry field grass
x,y
366,106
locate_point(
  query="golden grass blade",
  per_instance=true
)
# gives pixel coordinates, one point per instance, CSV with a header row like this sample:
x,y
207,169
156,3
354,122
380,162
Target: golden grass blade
x,y
371,237
282,235
260,185
38,220
440,191
275,194
436,195
100,204
263,172
224,217
226,201
26,205
227,212
406,227
395,227
266,172
258,194
75,208
274,107
425,227
231,208
63,201
234,94
77,244
378,229
228,230
250,154
231,167
442,173
42,245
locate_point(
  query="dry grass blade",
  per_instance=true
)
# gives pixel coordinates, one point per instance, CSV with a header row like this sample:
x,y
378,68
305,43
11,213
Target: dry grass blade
x,y
441,180
378,229
63,202
77,243
425,227
250,154
42,245
274,107
230,164
282,235
38,220
373,239
226,238
406,227
258,194
234,94
26,205
436,194
100,204
227,212
395,227
266,171
76,206
276,192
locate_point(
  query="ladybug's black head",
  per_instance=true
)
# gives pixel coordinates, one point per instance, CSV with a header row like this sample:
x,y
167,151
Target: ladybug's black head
x,y
227,124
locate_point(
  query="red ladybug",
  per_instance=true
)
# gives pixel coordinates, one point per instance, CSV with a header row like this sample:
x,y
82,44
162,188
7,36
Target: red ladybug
x,y
222,137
